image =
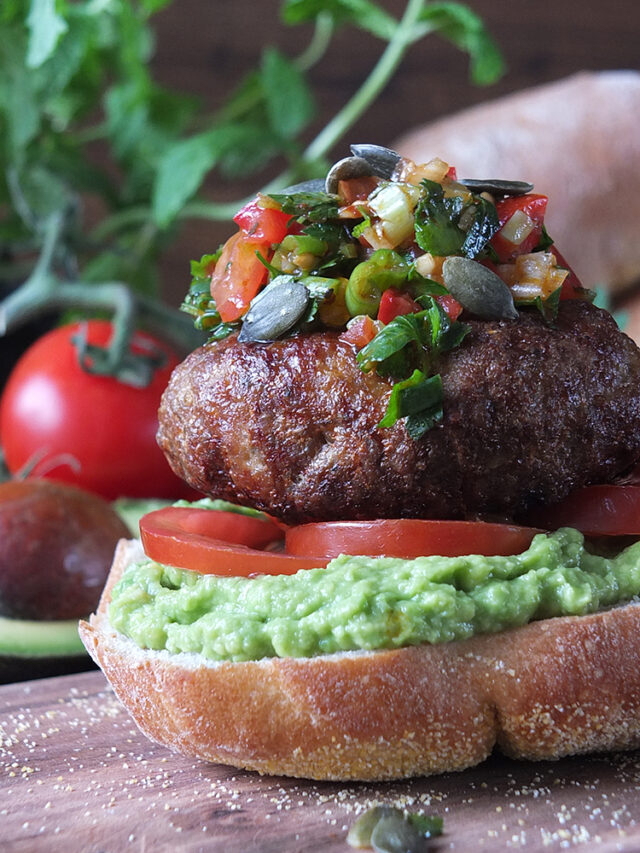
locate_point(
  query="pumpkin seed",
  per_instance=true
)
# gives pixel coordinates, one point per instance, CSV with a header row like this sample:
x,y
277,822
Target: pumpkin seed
x,y
394,833
382,161
391,830
348,167
314,186
478,289
275,310
496,187
359,834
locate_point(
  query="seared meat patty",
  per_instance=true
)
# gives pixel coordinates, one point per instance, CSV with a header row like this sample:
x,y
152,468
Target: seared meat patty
x,y
531,411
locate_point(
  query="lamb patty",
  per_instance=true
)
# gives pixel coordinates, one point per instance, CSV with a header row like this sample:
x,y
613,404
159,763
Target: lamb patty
x,y
531,411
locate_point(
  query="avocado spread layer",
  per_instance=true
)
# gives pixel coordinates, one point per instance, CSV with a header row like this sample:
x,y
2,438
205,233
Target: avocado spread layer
x,y
363,603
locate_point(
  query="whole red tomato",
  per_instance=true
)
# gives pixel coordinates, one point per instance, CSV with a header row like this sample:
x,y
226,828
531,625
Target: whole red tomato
x,y
51,409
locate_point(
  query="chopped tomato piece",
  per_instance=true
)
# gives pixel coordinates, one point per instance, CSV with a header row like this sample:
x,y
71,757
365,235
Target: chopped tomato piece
x,y
452,174
238,275
408,538
360,331
450,306
218,543
572,287
262,224
395,302
521,219
604,510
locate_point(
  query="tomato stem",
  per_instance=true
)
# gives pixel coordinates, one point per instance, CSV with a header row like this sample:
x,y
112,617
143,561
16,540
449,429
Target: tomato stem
x,y
44,291
372,86
408,31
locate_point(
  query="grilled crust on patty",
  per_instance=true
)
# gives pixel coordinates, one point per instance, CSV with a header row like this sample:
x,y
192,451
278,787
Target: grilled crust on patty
x,y
531,411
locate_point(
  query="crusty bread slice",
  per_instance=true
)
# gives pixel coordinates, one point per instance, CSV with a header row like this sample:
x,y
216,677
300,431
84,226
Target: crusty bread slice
x,y
553,688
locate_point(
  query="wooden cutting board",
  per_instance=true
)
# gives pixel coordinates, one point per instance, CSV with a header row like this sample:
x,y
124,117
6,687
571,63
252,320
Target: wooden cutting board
x,y
76,775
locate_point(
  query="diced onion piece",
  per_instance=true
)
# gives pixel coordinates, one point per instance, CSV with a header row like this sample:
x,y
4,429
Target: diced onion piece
x,y
533,276
376,238
518,227
393,205
267,203
434,170
429,266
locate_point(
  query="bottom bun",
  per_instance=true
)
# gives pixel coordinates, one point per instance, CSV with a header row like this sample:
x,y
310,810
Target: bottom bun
x,y
552,688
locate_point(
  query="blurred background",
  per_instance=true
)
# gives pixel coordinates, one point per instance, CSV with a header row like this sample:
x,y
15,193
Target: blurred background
x,y
205,48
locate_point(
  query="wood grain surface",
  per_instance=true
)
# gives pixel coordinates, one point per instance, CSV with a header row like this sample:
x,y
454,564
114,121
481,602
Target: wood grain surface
x,y
76,775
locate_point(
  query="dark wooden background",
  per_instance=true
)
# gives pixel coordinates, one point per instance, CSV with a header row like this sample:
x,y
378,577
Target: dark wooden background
x,y
205,47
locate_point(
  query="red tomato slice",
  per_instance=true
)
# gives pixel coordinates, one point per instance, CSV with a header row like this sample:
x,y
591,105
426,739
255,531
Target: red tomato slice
x,y
408,538
262,224
596,511
393,303
572,287
217,543
360,332
449,305
238,276
531,204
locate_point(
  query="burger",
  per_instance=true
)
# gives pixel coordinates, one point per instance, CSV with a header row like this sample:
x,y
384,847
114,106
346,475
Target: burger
x,y
418,435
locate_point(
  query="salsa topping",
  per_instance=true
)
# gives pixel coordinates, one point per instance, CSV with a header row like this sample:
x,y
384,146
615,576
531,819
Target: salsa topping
x,y
394,255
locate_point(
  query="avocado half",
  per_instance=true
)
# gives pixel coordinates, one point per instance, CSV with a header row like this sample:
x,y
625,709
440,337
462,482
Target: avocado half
x,y
30,649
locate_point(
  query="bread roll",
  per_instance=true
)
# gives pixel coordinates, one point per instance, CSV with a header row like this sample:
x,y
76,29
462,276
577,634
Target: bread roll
x,y
552,688
576,140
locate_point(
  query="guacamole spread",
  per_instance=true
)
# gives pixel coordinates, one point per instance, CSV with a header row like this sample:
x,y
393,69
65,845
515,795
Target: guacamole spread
x,y
367,603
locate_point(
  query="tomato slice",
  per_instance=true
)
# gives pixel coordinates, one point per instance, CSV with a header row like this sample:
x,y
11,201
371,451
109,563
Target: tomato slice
x,y
534,206
237,276
572,287
408,538
395,302
604,510
449,305
360,332
262,224
217,542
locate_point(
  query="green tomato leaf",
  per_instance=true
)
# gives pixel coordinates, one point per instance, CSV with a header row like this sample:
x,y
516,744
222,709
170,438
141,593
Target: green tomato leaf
x,y
289,101
308,207
460,25
548,307
436,221
127,117
18,102
180,175
202,270
184,166
365,14
402,330
453,336
43,191
545,242
254,144
419,400
484,225
45,28
153,6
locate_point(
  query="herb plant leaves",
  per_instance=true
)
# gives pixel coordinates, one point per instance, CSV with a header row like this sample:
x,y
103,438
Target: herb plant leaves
x,y
289,101
364,13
